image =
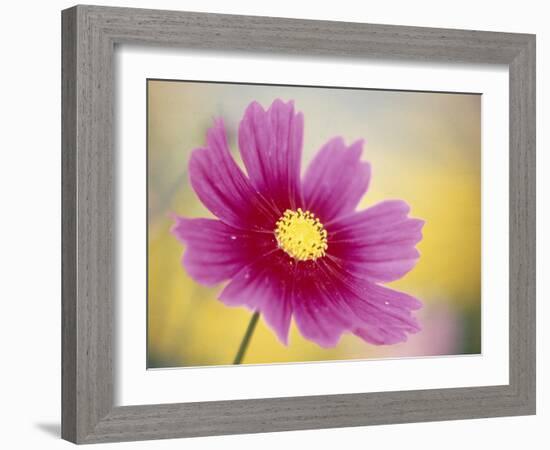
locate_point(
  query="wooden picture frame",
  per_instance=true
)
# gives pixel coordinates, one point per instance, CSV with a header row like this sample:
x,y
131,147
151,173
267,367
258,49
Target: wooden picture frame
x,y
90,34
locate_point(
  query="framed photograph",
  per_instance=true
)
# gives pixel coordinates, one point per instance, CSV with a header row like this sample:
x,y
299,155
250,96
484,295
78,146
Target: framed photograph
x,y
278,224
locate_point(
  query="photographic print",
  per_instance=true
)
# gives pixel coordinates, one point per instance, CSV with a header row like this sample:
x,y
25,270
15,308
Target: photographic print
x,y
290,224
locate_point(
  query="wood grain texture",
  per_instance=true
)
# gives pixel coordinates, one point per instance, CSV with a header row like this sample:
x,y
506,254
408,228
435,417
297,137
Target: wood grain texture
x,y
68,225
89,204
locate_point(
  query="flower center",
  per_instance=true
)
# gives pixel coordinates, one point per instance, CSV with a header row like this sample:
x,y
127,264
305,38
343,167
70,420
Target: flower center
x,y
301,235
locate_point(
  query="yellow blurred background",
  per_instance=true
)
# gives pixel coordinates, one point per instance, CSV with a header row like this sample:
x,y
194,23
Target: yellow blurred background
x,y
424,148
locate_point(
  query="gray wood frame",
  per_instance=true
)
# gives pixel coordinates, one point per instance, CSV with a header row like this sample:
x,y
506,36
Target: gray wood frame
x,y
89,36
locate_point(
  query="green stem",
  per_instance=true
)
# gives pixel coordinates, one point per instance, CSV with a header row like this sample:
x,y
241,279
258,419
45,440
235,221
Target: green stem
x,y
246,339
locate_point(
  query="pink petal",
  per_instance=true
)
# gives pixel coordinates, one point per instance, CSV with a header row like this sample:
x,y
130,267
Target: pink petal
x,y
222,186
266,286
335,180
215,251
381,336
271,147
315,325
328,301
377,243
324,299
320,311
381,315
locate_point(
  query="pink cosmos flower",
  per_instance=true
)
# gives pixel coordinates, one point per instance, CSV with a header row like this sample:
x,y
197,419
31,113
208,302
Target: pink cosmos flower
x,y
295,247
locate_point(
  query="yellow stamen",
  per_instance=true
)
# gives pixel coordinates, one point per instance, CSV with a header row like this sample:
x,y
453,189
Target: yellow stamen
x,y
301,235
